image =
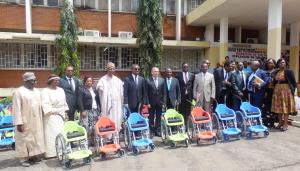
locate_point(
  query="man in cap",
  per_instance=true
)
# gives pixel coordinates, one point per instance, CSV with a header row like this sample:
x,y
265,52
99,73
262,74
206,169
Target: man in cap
x,y
110,90
27,114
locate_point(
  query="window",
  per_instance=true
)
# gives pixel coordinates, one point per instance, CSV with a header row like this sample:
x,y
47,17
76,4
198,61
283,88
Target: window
x,y
53,3
175,57
10,55
103,4
38,2
115,5
171,7
129,57
35,56
130,5
87,55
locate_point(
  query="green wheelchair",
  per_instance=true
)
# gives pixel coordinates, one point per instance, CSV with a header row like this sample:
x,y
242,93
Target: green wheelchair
x,y
72,145
173,129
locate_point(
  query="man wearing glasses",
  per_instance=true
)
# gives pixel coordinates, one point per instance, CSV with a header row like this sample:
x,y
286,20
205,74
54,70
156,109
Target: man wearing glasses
x,y
70,84
134,89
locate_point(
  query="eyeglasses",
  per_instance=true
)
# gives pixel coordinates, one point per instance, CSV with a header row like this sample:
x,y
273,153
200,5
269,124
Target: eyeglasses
x,y
136,69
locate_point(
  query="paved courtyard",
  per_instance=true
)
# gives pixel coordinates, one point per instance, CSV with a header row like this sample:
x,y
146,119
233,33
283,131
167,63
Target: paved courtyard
x,y
280,151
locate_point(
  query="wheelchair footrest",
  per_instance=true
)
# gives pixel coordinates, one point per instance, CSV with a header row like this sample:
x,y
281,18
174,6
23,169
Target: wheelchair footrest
x,y
201,118
174,120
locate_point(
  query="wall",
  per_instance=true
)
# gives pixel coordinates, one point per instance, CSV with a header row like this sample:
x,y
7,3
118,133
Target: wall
x,y
47,20
13,78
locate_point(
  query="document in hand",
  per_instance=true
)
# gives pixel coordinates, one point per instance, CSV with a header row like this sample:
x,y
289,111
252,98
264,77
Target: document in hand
x,y
258,80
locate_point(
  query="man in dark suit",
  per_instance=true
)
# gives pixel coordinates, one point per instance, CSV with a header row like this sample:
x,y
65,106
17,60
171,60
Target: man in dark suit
x,y
172,90
155,99
134,90
256,84
225,83
241,86
70,84
186,81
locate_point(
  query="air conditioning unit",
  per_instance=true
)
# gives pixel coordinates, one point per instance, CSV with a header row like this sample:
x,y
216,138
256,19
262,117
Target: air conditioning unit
x,y
252,40
92,33
123,34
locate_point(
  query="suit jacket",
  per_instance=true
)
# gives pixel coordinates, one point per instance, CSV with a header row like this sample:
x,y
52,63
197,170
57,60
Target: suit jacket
x,y
85,101
259,93
71,96
240,81
205,87
219,78
290,78
134,94
155,96
186,87
173,93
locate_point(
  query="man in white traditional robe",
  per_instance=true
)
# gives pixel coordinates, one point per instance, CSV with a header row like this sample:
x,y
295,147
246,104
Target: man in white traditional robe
x,y
110,90
27,117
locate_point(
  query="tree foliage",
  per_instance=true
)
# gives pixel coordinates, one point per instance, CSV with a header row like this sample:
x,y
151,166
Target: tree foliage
x,y
67,41
149,35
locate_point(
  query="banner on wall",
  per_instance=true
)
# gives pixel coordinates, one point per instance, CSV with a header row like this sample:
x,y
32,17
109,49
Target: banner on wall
x,y
246,52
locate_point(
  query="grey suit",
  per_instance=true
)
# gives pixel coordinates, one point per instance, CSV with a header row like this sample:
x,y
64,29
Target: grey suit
x,y
71,96
204,89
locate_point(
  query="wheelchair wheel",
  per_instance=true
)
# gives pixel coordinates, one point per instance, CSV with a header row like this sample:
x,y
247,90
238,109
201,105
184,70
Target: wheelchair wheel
x,y
241,122
87,160
121,153
266,133
186,143
125,134
68,164
60,146
191,129
128,135
249,135
135,150
102,156
164,133
217,127
151,147
172,144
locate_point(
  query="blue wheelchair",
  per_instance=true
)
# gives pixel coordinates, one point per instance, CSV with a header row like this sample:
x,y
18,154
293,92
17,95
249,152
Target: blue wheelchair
x,y
224,123
138,134
250,121
7,136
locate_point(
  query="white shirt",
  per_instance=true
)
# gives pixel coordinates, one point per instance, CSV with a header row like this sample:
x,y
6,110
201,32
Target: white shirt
x,y
185,77
94,105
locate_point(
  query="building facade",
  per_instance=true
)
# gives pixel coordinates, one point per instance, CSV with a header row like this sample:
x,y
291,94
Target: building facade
x,y
193,30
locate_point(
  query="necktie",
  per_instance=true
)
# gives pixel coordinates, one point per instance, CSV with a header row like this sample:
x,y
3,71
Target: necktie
x,y
169,83
71,84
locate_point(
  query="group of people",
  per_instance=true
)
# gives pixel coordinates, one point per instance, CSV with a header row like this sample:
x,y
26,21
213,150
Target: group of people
x,y
39,116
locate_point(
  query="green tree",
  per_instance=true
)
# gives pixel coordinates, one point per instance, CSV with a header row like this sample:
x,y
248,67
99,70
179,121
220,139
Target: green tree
x,y
67,41
149,35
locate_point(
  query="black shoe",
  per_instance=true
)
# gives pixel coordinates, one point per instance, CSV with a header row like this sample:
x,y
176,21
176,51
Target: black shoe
x,y
158,133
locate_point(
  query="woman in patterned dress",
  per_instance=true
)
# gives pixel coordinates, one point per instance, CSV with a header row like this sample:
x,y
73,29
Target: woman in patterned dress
x,y
283,103
89,107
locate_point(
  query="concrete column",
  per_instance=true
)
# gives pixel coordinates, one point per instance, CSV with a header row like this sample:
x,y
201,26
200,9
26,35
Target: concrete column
x,y
28,16
178,20
294,49
274,29
238,34
223,38
283,35
109,18
210,33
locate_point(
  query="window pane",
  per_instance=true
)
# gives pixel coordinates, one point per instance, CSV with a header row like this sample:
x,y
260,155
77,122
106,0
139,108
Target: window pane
x,y
126,5
103,5
115,5
38,2
134,5
171,6
52,2
90,4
